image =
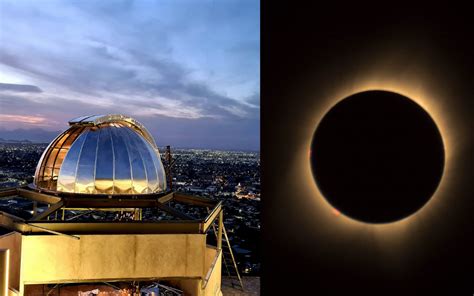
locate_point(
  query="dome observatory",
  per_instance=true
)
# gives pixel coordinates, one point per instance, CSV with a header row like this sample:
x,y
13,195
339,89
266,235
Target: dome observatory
x,y
97,212
102,154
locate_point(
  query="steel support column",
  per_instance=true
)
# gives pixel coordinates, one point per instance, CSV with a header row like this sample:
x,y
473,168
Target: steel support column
x,y
219,231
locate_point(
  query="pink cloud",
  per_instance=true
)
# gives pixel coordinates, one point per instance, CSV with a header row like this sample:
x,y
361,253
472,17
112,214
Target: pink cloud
x,y
23,119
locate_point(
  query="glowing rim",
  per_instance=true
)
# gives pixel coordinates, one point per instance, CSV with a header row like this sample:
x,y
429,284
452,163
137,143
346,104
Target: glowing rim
x,y
391,233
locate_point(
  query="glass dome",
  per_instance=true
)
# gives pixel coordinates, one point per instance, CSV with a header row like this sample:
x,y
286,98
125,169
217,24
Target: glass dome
x,y
102,154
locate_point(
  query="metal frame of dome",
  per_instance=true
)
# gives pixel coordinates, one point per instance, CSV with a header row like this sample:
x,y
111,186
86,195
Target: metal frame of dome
x,y
120,157
96,120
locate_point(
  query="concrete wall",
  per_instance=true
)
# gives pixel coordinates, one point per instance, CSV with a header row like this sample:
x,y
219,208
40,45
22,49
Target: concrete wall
x,y
213,287
188,286
12,241
53,258
211,253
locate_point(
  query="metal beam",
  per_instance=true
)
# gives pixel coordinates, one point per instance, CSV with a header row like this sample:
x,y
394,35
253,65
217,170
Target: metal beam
x,y
211,217
194,200
168,227
101,209
110,203
173,211
219,231
11,222
87,202
112,196
53,232
166,198
63,228
8,192
53,208
37,196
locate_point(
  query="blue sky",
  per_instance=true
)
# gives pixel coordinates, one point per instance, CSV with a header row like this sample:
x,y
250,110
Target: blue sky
x,y
188,70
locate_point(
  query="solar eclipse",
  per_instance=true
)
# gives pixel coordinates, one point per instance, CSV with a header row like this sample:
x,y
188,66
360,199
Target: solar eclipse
x,y
426,247
377,156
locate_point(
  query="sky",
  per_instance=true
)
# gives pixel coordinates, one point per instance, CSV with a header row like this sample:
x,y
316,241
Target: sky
x,y
188,70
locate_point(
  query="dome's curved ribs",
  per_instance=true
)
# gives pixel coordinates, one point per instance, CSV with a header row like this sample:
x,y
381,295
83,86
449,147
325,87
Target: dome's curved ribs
x,y
157,162
85,166
148,189
104,167
39,173
147,157
68,171
67,141
94,178
96,120
122,163
54,157
124,135
160,169
135,144
113,158
132,176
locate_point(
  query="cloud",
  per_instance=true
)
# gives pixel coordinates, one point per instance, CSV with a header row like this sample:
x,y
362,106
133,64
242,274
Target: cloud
x,y
28,119
19,88
254,100
178,61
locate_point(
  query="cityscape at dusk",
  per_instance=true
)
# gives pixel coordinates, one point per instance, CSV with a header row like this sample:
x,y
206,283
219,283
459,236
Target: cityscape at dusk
x,y
230,176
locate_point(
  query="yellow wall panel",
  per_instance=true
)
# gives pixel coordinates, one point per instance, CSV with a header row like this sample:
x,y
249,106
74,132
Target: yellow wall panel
x,y
53,258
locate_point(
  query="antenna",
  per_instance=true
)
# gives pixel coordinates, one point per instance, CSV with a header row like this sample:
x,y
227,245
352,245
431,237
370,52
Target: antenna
x,y
169,164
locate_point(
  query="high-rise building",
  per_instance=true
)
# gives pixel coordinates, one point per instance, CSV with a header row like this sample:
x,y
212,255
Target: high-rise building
x,y
92,187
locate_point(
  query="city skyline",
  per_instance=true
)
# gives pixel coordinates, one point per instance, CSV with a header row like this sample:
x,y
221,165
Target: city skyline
x,y
189,72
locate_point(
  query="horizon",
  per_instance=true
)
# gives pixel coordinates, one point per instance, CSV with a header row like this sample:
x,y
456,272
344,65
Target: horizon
x,y
49,136
189,73
21,140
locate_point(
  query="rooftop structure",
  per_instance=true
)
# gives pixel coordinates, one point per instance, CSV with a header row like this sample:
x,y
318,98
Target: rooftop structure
x,y
102,154
108,166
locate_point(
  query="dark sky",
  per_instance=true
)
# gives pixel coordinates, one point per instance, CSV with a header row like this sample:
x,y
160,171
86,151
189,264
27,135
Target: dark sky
x,y
313,56
189,71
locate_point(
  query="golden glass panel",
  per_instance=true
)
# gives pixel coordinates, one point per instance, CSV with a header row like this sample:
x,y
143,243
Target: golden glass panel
x,y
103,155
52,157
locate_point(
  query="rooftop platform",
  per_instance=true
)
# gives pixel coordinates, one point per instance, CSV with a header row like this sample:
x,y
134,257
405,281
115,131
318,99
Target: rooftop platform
x,y
49,244
51,213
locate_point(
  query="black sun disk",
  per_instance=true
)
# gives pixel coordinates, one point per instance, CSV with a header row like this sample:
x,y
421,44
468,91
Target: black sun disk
x,y
377,156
